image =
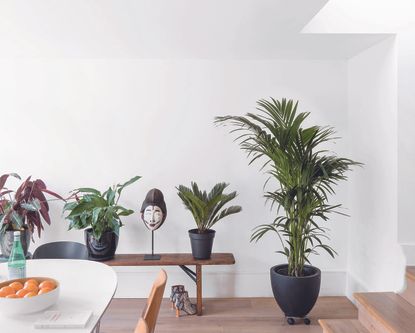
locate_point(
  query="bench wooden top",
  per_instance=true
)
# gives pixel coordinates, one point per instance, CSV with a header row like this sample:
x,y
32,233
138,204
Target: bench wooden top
x,y
170,259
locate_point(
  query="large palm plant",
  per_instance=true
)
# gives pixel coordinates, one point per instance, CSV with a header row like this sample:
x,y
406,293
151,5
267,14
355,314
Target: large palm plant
x,y
207,208
306,174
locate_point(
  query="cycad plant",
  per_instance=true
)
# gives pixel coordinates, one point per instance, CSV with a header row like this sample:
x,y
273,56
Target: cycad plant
x,y
296,157
207,208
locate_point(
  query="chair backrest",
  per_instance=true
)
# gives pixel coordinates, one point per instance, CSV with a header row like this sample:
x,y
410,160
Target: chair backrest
x,y
61,250
151,311
141,327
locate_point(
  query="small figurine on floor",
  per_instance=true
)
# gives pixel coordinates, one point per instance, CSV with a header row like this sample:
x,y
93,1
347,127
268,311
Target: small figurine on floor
x,y
179,299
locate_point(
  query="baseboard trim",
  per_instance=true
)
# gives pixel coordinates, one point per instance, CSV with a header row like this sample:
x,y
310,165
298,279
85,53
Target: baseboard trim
x,y
409,251
137,284
354,285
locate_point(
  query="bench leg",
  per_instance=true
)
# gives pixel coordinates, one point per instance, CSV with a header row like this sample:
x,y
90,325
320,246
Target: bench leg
x,y
199,289
196,277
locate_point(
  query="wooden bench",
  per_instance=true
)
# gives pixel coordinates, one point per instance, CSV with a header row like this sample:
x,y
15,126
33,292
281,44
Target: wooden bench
x,y
176,259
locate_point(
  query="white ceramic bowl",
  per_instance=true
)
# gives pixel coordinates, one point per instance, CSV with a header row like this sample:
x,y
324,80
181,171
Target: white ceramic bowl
x,y
15,306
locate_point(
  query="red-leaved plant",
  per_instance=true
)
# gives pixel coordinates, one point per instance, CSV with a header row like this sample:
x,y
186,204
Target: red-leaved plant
x,y
26,207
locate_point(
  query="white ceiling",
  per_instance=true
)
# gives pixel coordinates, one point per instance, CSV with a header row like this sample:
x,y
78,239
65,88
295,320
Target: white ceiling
x,y
212,29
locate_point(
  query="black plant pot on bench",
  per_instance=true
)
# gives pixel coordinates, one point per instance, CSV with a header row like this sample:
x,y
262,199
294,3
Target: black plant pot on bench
x,y
103,248
201,243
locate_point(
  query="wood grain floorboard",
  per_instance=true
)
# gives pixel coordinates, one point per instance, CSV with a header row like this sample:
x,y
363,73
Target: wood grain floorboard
x,y
227,315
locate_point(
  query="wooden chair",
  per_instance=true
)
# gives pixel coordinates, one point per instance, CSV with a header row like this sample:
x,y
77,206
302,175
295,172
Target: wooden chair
x,y
142,327
151,310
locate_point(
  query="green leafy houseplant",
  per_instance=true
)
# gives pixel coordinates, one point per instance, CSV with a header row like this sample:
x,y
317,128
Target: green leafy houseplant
x,y
207,208
296,158
88,207
26,207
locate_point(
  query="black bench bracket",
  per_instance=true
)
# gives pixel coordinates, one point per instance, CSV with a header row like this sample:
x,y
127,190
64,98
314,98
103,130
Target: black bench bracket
x,y
189,272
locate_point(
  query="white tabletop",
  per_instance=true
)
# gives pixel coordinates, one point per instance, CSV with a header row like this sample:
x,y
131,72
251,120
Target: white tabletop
x,y
84,285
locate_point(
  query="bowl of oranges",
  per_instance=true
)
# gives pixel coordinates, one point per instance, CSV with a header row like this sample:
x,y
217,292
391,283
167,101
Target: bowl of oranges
x,y
28,295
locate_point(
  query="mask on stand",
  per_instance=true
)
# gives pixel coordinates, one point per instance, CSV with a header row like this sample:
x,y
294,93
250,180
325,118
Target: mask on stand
x,y
153,210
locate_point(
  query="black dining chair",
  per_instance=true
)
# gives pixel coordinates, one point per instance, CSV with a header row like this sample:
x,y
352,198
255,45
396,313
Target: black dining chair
x,y
61,250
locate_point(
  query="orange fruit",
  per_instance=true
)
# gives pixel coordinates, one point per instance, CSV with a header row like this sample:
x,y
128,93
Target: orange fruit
x,y
7,290
44,291
47,284
31,294
31,287
16,285
32,281
22,292
12,296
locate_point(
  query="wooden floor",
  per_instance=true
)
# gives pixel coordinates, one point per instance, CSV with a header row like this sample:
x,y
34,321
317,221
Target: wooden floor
x,y
231,315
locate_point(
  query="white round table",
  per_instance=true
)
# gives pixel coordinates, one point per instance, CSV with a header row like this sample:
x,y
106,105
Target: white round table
x,y
84,285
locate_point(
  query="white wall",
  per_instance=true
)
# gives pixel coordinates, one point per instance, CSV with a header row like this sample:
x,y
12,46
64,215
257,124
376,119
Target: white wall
x,y
376,261
406,140
95,92
374,16
95,122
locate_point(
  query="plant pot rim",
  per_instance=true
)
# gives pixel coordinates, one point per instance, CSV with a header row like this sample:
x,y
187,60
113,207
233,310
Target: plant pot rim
x,y
89,230
24,227
317,272
196,231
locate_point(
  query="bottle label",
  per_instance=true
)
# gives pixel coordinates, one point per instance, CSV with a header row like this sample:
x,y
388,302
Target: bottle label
x,y
17,272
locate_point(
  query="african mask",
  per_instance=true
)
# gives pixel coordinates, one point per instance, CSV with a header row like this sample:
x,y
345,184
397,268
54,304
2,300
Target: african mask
x,y
153,210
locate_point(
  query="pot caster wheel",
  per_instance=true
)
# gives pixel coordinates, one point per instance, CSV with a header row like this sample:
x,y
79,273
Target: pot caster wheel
x,y
290,321
307,321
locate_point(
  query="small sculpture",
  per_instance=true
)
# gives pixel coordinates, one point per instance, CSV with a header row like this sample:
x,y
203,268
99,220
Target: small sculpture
x,y
153,210
153,213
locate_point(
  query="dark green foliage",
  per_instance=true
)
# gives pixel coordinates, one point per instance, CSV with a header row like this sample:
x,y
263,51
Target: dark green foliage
x,y
88,207
207,208
306,174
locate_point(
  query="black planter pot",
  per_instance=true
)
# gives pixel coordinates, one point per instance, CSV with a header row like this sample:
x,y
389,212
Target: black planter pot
x,y
201,243
296,296
7,240
103,248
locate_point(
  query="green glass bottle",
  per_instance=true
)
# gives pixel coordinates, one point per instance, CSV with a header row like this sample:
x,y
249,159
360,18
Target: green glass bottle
x,y
17,260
